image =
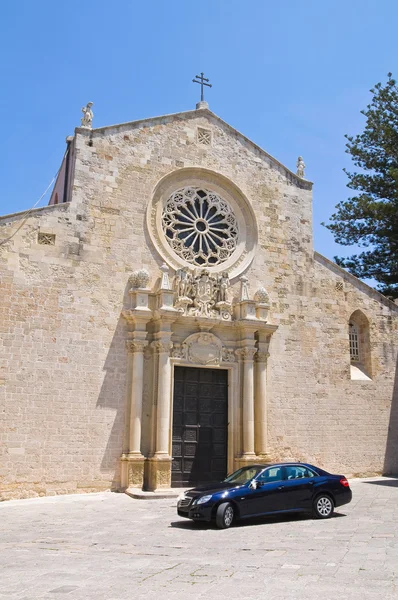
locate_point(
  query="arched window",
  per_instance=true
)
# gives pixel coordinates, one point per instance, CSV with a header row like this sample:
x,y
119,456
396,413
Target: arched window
x,y
359,344
354,343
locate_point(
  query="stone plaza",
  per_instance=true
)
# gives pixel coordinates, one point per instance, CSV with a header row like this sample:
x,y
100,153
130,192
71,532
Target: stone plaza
x,y
107,546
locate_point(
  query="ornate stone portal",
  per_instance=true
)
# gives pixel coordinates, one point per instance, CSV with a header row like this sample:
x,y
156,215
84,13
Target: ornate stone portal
x,y
171,326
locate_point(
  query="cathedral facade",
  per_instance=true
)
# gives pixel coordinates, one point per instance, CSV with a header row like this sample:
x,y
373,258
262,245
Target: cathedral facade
x,y
166,320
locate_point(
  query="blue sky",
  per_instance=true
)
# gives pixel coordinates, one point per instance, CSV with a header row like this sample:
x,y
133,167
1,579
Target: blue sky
x,y
292,76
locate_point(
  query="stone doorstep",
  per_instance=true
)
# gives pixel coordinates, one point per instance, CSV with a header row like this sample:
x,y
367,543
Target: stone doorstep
x,y
139,494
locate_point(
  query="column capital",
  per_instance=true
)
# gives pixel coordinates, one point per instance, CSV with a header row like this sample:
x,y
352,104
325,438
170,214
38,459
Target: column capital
x,y
246,354
262,356
136,345
161,346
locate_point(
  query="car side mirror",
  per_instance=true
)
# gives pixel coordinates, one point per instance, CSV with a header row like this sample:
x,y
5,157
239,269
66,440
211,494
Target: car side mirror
x,y
253,484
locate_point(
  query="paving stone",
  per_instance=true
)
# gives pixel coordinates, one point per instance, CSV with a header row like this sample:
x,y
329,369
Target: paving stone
x,y
111,547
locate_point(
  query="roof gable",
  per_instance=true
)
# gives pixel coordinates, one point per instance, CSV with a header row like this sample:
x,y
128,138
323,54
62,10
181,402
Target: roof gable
x,y
211,117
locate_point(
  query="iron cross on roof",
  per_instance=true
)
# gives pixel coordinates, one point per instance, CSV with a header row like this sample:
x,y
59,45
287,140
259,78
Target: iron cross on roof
x,y
202,80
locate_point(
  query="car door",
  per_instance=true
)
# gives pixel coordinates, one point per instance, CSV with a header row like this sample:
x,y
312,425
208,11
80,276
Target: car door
x,y
299,486
267,497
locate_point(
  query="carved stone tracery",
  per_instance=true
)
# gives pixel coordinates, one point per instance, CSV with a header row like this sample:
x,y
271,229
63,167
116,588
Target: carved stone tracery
x,y
200,227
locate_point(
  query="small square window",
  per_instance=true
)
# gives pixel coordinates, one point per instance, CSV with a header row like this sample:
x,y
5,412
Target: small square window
x,y
204,136
46,239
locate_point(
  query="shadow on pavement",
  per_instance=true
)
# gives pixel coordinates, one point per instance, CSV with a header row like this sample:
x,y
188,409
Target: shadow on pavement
x,y
250,522
387,482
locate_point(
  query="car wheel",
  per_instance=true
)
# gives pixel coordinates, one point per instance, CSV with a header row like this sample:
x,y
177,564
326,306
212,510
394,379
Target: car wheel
x,y
225,515
323,507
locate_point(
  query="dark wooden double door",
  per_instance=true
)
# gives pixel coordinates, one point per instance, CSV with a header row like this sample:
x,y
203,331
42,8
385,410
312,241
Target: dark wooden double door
x,y
200,425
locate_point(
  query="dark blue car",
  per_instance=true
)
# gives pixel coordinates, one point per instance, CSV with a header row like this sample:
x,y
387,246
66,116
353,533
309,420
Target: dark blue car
x,y
258,490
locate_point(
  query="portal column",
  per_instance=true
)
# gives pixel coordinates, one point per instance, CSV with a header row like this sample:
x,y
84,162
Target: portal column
x,y
260,405
247,355
163,398
159,464
136,347
133,460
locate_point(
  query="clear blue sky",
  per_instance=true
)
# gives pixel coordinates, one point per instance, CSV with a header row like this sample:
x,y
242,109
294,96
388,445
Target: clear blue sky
x,y
292,76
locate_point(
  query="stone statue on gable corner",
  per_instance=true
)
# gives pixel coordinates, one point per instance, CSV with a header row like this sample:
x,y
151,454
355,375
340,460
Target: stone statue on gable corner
x,y
300,167
87,118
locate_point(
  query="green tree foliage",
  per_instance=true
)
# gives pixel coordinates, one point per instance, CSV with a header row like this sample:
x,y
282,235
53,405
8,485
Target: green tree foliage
x,y
370,219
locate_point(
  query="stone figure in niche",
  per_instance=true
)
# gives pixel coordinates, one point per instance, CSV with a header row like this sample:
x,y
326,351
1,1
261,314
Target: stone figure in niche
x,y
300,167
224,287
88,115
182,282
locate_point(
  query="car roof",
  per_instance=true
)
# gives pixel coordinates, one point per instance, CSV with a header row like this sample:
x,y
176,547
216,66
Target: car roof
x,y
281,464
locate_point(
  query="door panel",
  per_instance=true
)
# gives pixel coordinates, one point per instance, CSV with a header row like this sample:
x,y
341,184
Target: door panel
x,y
200,420
268,497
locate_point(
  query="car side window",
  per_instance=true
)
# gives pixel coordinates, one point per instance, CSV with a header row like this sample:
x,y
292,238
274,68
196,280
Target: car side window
x,y
297,472
270,475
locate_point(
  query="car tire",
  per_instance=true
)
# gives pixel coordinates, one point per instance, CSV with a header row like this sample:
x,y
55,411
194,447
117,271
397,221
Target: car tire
x,y
323,507
225,515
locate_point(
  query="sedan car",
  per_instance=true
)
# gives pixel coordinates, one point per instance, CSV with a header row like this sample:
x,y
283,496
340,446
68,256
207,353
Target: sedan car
x,y
258,490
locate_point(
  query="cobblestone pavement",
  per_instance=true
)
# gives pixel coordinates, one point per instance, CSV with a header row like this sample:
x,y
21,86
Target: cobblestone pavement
x,y
111,547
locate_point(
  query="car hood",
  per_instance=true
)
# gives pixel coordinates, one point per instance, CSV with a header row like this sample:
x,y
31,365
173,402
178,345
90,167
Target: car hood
x,y
211,488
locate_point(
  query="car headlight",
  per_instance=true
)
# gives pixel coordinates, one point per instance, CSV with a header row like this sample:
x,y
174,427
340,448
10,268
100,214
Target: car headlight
x,y
203,499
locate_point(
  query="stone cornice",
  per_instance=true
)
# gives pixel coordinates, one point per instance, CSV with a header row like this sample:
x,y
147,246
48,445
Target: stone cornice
x,y
357,283
35,212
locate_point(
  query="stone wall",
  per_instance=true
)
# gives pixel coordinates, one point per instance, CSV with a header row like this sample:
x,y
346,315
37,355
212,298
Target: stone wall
x,y
63,356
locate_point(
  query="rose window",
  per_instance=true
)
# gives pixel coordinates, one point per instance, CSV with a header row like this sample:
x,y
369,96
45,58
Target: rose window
x,y
200,226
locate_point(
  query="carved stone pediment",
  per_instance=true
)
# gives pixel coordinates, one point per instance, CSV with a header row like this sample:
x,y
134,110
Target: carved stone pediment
x,y
203,349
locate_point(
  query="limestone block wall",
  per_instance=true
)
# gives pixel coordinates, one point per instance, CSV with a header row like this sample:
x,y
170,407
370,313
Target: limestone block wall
x,y
63,359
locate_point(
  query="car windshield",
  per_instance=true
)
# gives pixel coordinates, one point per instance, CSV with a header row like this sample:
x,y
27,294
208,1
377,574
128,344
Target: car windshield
x,y
243,475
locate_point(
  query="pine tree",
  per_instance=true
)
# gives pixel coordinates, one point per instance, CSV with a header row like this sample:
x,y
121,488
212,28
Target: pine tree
x,y
370,219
